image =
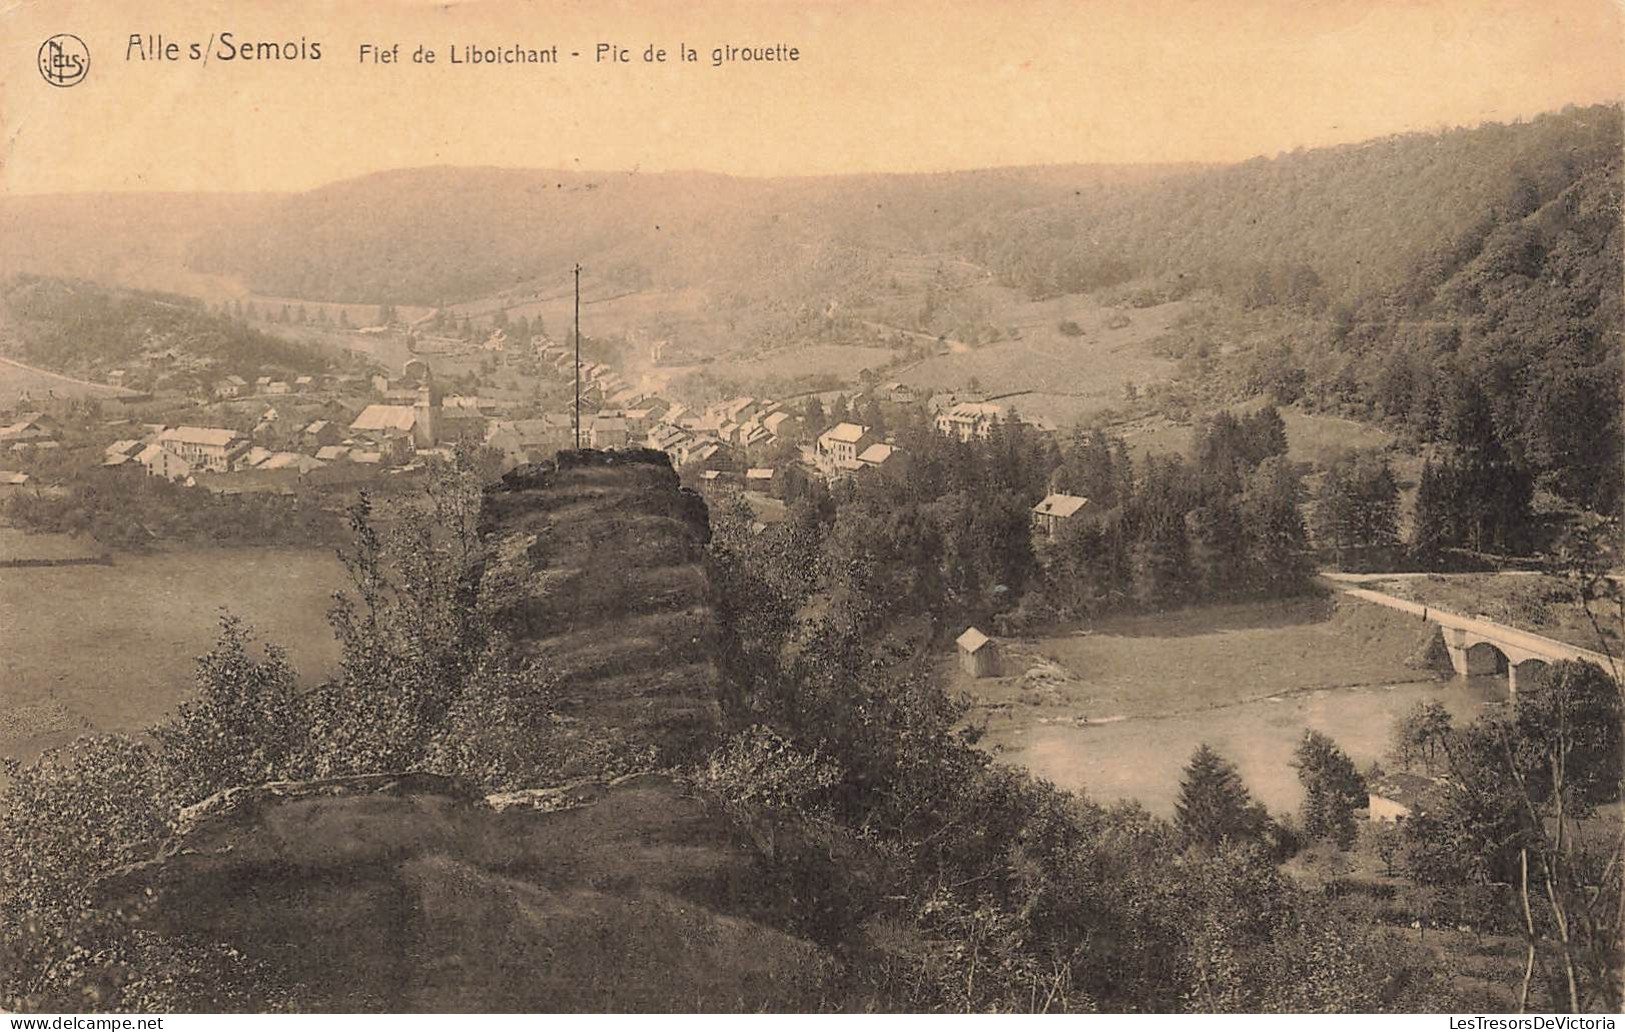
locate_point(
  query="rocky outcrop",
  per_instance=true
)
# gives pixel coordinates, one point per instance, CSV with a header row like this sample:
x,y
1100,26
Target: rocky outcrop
x,y
413,893
605,553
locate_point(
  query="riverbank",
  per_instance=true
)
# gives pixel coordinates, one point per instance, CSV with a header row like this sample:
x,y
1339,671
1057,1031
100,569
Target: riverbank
x,y
1117,709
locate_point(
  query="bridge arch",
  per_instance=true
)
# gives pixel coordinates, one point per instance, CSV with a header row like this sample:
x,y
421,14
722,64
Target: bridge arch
x,y
1526,672
1483,658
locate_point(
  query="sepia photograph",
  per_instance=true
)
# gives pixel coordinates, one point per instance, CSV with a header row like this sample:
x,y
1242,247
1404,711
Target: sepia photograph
x,y
811,507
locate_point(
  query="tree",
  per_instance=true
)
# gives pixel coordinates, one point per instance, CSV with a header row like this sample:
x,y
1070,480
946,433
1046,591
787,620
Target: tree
x,y
1421,735
1214,805
1272,523
1333,789
70,817
1357,507
244,726
1568,726
1433,519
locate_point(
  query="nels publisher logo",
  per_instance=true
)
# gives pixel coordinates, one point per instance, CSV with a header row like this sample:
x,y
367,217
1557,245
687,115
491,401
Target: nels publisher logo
x,y
64,59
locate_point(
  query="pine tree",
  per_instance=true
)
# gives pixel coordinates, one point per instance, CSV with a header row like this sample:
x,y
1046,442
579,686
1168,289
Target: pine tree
x,y
1333,789
1432,524
1214,805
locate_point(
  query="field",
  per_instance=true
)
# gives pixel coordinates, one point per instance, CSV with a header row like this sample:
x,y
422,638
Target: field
x,y
17,545
842,362
17,379
111,647
1311,437
1069,377
1118,710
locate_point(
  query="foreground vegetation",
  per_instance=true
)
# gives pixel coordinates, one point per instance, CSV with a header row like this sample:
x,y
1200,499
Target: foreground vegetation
x,y
936,879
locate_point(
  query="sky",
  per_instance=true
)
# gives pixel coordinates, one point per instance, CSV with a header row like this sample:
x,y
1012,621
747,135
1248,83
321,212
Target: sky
x,y
904,86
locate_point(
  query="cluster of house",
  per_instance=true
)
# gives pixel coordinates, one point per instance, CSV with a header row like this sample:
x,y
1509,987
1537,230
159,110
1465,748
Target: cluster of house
x,y
381,434
847,448
192,453
235,386
34,431
157,366
721,438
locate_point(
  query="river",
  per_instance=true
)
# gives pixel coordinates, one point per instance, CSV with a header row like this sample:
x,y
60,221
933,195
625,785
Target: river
x,y
1142,758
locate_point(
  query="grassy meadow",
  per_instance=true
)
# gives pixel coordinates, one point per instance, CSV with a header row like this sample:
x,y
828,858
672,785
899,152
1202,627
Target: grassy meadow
x,y
112,647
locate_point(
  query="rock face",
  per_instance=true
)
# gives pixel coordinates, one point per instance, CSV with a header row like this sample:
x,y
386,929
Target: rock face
x,y
411,893
611,592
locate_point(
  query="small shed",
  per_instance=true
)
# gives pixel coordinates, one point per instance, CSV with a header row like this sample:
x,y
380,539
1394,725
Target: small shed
x,y
1394,797
978,654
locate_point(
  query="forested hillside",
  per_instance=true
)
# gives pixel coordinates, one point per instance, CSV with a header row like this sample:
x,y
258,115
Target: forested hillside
x,y
439,235
1332,225
1462,286
85,327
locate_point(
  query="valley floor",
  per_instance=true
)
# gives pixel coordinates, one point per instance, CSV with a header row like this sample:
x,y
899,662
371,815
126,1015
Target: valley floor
x,y
111,648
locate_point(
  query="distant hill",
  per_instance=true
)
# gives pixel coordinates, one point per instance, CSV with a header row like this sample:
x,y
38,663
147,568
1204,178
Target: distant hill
x,y
1335,224
439,235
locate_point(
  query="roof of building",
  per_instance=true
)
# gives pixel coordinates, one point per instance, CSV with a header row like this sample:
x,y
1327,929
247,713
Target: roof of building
x,y
1403,787
124,447
291,460
876,454
13,478
204,436
317,426
22,426
1060,505
972,640
331,452
975,410
758,473
846,433
386,417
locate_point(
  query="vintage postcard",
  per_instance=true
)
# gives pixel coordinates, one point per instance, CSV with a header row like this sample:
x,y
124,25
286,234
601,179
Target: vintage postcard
x,y
811,506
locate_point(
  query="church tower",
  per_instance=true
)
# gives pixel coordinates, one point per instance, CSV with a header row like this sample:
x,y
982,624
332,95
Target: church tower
x,y
426,427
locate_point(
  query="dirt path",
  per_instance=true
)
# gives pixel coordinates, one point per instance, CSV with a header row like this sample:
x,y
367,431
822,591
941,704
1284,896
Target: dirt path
x,y
64,378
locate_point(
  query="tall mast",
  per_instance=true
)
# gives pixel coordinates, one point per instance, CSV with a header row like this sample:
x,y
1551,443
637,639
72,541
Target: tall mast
x,y
578,356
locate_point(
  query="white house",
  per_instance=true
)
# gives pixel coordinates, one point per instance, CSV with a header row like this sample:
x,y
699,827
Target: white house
x,y
840,446
1051,514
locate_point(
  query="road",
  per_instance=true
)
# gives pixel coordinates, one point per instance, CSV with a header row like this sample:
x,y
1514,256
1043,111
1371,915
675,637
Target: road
x,y
1539,644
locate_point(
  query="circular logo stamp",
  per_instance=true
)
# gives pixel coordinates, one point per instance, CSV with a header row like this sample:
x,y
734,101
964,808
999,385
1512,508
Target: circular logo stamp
x,y
64,59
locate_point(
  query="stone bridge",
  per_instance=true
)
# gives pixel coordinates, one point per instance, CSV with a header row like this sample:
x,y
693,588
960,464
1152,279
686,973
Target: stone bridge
x,y
1478,646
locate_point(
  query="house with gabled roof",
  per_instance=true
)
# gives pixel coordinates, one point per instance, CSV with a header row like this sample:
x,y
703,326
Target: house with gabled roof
x,y
1053,513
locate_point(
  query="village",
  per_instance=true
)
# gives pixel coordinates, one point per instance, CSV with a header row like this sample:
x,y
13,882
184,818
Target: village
x,y
284,434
